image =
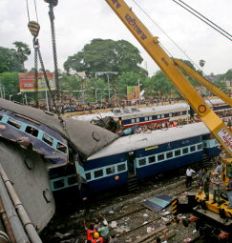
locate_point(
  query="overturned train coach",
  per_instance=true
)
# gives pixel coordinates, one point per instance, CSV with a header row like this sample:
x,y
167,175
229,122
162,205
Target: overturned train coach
x,y
140,156
33,142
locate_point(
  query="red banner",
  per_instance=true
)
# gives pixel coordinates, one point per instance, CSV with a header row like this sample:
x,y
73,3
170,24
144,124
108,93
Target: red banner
x,y
27,82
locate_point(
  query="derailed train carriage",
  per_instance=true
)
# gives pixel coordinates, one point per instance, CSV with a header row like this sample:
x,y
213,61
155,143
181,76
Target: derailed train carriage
x,y
33,142
141,156
134,116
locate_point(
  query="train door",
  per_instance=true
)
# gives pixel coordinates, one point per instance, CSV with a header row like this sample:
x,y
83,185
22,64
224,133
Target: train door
x,y
131,164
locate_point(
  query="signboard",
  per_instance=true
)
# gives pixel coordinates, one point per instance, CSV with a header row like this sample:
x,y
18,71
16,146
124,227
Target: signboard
x,y
226,138
133,92
27,82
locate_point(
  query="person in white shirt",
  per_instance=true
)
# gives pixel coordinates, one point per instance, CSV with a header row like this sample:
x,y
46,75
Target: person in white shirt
x,y
189,175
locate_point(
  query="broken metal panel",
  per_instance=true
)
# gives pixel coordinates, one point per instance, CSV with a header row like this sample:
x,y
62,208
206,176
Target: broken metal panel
x,y
85,137
28,173
88,138
27,140
157,203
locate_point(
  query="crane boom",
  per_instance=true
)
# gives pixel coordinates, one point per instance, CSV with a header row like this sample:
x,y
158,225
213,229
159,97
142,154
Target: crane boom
x,y
151,44
203,81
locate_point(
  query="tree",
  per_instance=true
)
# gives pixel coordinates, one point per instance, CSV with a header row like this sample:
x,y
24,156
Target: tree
x,y
8,60
106,55
159,85
22,52
128,79
9,80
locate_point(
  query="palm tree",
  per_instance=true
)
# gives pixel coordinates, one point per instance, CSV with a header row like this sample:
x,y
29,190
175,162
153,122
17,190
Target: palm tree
x,y
22,52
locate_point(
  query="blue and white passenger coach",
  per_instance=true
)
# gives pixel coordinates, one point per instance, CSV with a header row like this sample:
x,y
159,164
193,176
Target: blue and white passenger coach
x,y
145,155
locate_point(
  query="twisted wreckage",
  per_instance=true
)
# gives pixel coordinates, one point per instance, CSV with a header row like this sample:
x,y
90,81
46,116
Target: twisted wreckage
x,y
32,142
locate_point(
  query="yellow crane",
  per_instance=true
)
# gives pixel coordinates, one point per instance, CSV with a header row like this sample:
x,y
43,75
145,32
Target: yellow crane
x,y
212,212
151,44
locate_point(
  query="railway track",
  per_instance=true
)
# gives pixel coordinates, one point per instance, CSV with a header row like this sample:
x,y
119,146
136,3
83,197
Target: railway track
x,y
134,222
137,221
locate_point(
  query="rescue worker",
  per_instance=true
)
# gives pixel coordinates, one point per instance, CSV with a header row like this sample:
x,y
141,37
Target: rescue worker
x,y
216,181
206,183
189,174
97,238
104,230
218,169
90,231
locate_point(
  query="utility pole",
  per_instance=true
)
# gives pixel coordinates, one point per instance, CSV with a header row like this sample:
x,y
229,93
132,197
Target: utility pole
x,y
52,4
107,73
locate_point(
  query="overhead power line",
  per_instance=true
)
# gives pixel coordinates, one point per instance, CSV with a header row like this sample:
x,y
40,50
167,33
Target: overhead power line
x,y
204,19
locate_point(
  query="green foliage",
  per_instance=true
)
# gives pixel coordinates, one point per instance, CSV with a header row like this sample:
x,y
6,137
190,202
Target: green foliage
x,y
70,82
106,55
8,60
226,76
221,85
9,80
159,85
22,52
127,79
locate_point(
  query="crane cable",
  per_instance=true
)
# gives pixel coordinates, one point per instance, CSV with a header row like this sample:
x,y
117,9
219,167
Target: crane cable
x,y
204,19
162,30
34,28
28,11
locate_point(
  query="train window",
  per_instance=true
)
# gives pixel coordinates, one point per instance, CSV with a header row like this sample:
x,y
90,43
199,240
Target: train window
x,y
185,150
132,120
1,116
199,146
47,139
150,118
160,157
31,130
154,117
151,159
13,123
170,114
193,148
121,167
146,118
110,170
177,152
98,173
58,184
158,116
169,155
166,115
142,162
137,119
88,176
72,180
61,147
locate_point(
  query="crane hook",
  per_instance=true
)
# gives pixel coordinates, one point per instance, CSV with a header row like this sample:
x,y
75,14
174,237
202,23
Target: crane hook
x,y
34,28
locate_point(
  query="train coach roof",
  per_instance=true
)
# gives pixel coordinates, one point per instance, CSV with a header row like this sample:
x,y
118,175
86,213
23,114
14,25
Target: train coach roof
x,y
130,112
87,138
143,140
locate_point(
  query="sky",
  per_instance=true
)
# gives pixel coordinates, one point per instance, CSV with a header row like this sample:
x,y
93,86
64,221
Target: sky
x,y
77,22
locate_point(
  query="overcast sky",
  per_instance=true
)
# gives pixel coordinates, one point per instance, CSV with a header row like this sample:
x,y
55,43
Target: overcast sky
x,y
79,21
